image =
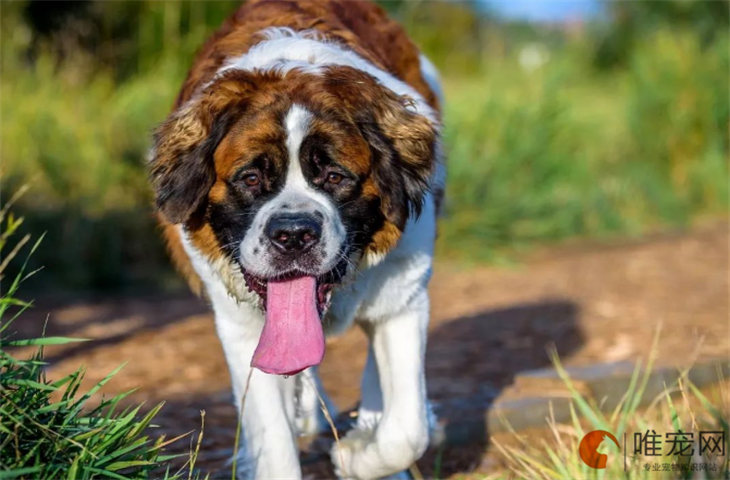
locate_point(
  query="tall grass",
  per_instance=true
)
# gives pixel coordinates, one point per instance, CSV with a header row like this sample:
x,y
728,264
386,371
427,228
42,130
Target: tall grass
x,y
535,153
53,429
682,407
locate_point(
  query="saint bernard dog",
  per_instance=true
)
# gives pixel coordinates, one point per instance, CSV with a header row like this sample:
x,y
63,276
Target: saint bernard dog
x,y
297,182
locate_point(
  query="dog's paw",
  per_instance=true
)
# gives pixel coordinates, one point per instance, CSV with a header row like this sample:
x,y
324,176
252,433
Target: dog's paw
x,y
345,453
369,454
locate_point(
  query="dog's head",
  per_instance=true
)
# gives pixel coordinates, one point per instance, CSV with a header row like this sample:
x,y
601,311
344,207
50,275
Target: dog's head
x,y
292,176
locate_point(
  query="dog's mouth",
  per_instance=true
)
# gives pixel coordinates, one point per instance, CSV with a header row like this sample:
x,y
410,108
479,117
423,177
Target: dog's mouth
x,y
324,285
294,303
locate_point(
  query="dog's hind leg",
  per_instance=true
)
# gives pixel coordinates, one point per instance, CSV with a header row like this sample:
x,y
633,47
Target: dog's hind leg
x,y
371,398
310,419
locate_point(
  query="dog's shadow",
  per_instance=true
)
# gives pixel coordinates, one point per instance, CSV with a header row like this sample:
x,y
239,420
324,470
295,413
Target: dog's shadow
x,y
471,359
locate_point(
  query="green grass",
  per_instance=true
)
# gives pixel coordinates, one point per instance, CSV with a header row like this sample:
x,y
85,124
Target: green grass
x,y
568,149
53,429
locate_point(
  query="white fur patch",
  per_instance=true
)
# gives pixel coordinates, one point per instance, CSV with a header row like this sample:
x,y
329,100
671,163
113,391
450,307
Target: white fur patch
x,y
285,49
296,124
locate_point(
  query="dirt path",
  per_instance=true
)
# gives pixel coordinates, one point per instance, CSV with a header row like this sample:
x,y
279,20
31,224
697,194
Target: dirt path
x,y
595,304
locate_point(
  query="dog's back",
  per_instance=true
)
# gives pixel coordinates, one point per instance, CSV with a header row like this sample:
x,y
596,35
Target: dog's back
x,y
361,26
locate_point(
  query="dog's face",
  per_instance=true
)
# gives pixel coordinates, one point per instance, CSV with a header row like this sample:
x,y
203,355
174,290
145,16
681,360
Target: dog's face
x,y
295,174
289,200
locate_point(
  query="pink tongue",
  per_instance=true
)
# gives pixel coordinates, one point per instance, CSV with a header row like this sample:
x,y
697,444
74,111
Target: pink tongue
x,y
292,339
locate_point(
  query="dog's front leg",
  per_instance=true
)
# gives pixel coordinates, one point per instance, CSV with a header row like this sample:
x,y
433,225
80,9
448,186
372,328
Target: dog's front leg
x,y
401,435
268,443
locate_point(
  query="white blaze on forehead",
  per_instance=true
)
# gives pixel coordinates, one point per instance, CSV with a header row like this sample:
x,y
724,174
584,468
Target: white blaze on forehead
x,y
296,124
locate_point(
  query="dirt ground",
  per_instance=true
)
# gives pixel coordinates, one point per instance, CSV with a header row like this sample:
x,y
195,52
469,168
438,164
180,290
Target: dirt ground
x,y
594,303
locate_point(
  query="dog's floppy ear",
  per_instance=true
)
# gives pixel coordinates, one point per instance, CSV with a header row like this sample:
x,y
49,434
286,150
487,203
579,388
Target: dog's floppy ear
x,y
402,135
181,162
402,144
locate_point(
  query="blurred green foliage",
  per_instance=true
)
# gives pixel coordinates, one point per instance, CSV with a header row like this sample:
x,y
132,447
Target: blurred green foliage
x,y
567,149
613,127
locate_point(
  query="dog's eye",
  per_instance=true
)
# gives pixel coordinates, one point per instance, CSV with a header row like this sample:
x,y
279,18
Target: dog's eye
x,y
334,178
251,179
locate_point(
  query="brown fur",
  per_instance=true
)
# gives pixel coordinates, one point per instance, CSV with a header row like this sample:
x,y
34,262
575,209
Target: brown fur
x,y
362,27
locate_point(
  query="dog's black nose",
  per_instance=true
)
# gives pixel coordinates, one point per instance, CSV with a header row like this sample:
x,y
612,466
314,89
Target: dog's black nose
x,y
293,232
